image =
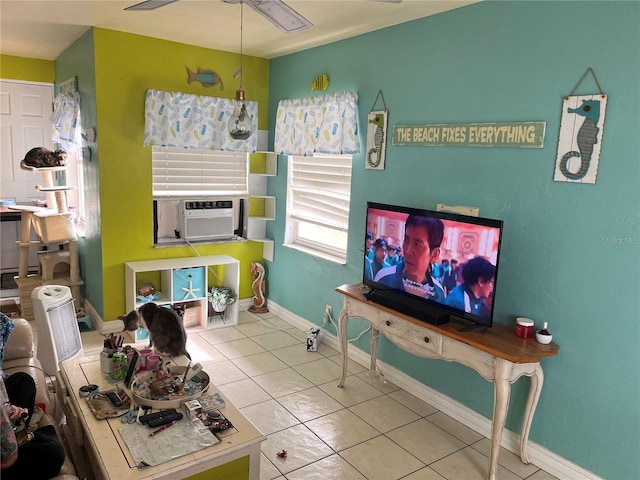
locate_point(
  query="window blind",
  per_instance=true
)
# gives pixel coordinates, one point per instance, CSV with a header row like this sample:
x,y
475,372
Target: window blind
x,y
179,172
320,190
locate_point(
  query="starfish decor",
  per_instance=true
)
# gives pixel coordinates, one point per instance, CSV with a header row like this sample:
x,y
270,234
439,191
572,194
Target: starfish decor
x,y
190,291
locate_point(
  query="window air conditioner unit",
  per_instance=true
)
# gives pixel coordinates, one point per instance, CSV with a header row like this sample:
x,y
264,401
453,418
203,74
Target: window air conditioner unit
x,y
205,219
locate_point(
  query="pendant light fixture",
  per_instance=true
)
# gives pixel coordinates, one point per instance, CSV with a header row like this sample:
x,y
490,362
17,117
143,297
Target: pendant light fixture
x,y
240,123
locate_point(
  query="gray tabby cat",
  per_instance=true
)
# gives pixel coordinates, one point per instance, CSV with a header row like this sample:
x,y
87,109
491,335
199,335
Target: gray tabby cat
x,y
40,157
166,331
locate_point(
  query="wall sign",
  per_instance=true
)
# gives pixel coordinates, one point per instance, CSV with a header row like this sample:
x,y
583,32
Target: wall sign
x,y
376,135
506,134
580,138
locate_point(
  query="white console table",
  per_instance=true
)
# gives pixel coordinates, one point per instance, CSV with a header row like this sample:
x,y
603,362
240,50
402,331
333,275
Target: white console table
x,y
497,354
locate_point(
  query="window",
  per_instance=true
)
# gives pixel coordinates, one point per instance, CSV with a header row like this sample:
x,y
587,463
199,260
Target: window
x,y
74,176
318,197
67,134
181,172
205,177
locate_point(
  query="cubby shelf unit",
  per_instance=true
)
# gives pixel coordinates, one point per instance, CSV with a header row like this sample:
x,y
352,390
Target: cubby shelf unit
x,y
195,274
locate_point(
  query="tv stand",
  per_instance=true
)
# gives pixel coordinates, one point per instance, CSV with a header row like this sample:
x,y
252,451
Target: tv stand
x,y
496,354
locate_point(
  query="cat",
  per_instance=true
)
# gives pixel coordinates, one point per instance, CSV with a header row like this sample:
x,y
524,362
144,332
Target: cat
x,y
40,157
166,331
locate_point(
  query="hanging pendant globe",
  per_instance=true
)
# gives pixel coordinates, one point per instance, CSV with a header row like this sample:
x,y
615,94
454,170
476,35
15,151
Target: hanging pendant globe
x,y
240,123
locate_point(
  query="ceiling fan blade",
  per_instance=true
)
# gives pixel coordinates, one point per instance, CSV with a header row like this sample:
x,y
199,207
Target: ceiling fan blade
x,y
150,5
276,11
280,14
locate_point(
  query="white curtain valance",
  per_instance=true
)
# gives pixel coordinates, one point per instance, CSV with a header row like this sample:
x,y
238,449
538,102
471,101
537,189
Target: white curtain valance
x,y
65,122
175,119
325,124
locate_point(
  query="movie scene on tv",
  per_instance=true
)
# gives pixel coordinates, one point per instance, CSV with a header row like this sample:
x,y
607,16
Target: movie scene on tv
x,y
449,262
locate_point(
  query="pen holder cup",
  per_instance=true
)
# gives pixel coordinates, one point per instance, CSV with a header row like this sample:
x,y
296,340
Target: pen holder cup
x,y
105,362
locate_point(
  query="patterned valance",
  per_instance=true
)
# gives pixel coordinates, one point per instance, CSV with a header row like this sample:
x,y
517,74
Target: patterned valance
x,y
175,119
325,124
65,122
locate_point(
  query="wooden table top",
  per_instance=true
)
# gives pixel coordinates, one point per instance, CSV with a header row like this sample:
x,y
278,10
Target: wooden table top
x,y
499,340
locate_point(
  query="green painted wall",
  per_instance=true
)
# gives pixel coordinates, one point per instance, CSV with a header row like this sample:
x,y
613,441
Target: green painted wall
x,y
570,254
115,70
234,470
27,69
126,66
78,61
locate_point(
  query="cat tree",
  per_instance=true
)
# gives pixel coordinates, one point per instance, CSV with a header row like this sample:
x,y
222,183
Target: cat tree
x,y
54,227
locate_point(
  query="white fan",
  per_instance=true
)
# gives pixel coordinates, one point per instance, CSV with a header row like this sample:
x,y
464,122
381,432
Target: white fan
x,y
276,11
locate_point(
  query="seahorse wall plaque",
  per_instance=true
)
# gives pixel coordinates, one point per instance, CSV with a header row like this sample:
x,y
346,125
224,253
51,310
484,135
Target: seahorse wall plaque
x,y
376,140
580,139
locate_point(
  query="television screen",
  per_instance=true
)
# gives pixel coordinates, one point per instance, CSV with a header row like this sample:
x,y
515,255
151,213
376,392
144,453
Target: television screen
x,y
431,264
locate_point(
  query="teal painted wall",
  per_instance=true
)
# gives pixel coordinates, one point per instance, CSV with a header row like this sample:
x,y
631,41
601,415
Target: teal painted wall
x,y
570,252
79,61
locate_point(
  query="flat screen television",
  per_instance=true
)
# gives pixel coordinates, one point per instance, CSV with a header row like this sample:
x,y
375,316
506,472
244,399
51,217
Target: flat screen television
x,y
432,265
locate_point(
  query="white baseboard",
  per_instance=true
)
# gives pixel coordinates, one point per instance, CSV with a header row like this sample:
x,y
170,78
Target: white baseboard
x,y
538,455
113,326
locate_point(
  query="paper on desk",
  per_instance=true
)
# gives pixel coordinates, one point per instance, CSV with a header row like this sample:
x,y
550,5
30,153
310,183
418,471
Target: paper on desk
x,y
181,438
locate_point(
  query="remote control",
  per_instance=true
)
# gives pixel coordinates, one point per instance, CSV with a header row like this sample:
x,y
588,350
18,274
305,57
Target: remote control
x,y
115,399
150,416
171,417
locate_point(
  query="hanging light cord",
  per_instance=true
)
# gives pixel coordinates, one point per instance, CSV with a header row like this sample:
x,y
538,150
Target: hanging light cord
x,y
241,22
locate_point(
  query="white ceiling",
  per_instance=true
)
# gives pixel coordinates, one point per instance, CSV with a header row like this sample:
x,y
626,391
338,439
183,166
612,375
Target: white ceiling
x,y
44,29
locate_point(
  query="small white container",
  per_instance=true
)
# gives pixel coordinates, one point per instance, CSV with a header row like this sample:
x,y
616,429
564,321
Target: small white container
x,y
543,336
313,340
192,409
105,362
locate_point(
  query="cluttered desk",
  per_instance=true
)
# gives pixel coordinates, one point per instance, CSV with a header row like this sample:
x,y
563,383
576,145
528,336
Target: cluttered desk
x,y
131,432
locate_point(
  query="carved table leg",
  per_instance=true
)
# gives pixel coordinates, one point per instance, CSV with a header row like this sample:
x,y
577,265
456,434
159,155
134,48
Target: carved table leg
x,y
502,392
342,333
375,334
537,378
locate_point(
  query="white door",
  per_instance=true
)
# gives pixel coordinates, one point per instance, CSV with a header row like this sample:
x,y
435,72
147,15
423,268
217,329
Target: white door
x,y
25,111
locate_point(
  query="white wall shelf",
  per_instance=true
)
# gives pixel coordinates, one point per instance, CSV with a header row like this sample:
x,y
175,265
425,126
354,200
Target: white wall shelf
x,y
262,207
171,276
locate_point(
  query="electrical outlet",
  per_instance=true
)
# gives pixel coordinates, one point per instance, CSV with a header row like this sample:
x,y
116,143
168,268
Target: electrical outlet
x,y
328,311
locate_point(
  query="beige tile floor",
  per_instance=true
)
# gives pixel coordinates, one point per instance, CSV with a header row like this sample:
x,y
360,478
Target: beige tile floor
x,y
367,430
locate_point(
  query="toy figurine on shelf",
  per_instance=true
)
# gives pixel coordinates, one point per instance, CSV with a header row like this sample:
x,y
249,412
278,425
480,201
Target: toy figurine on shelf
x,y
259,301
147,292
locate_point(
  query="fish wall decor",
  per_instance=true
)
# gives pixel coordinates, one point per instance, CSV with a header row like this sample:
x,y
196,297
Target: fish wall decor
x,y
321,83
207,78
